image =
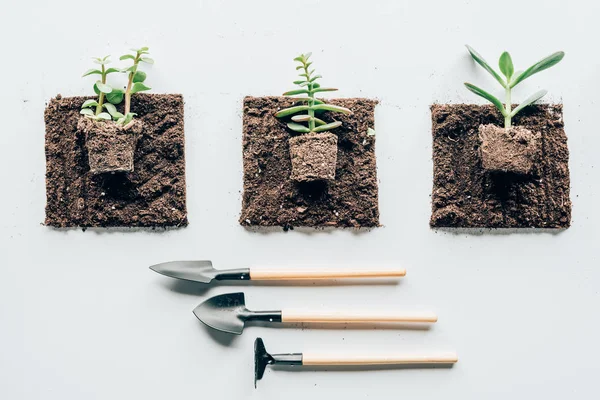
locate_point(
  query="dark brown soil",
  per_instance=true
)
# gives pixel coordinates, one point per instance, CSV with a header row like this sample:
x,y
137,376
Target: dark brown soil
x,y
272,199
153,195
516,150
465,195
314,156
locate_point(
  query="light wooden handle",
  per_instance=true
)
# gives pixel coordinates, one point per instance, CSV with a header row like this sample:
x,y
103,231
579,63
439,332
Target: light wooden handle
x,y
298,274
356,317
406,359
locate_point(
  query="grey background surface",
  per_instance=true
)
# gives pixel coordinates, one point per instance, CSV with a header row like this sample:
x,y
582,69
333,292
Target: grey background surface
x,y
82,317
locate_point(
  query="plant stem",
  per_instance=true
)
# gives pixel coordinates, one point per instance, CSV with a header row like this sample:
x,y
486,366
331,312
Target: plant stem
x,y
129,84
101,96
508,108
311,102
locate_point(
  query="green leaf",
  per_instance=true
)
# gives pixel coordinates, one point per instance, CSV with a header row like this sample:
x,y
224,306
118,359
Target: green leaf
x,y
315,78
106,57
506,65
316,85
127,56
316,101
110,108
487,96
103,87
298,82
100,61
295,92
139,87
147,60
307,56
111,70
327,127
89,103
320,89
298,128
128,118
96,90
292,110
301,118
530,100
546,63
319,121
300,58
477,57
299,67
87,111
133,69
140,76
331,107
92,71
116,96
104,116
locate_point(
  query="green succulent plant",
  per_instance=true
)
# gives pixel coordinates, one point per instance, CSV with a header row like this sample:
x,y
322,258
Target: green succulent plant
x,y
102,89
510,80
114,96
307,113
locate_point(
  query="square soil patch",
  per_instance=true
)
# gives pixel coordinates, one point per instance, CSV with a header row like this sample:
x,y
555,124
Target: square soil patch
x,y
153,195
271,199
465,196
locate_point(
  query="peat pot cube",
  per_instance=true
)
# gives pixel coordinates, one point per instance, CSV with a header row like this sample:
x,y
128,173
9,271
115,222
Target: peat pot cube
x,y
515,150
110,146
314,156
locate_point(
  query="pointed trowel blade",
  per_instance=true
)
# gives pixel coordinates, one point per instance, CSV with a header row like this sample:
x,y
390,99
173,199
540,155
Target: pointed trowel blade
x,y
196,271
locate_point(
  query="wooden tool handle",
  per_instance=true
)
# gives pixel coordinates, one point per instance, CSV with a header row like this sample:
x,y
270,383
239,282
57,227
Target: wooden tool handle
x,y
356,317
406,359
291,274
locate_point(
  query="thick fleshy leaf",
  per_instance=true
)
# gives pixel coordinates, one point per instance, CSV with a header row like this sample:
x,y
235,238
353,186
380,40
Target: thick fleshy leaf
x,y
140,76
132,68
111,70
316,85
87,111
147,60
506,65
127,56
105,116
327,127
89,103
295,92
320,89
298,128
319,121
292,110
546,63
477,57
299,67
110,108
139,87
116,96
92,71
331,107
301,118
298,82
128,118
103,87
480,92
314,78
316,101
96,90
530,100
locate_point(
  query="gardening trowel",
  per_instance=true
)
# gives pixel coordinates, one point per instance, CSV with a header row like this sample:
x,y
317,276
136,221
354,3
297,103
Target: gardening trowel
x,y
262,358
203,271
228,313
